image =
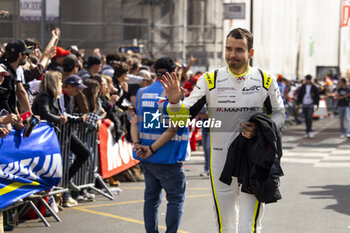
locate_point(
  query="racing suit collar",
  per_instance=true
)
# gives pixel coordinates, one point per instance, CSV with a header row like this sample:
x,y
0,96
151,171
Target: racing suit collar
x,y
238,75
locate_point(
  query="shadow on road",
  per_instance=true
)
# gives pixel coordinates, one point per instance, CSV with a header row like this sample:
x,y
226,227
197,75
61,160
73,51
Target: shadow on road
x,y
338,192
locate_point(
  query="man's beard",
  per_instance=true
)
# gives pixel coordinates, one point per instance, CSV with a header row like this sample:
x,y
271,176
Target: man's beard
x,y
237,65
22,62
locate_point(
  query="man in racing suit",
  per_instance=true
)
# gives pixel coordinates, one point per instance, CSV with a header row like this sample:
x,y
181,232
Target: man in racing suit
x,y
233,94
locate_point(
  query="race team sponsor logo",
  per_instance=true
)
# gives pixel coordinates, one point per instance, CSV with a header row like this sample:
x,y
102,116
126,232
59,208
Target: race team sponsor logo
x,y
258,80
218,149
251,90
226,89
243,109
226,101
221,80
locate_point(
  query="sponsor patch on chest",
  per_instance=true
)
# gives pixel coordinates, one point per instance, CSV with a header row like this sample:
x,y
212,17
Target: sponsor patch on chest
x,y
251,89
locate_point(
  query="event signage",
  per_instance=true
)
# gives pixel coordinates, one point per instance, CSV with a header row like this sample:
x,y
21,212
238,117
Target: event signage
x,y
234,10
125,49
30,10
29,165
115,156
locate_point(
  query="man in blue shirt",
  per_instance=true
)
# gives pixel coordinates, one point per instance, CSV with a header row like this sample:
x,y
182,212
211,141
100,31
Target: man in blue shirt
x,y
161,147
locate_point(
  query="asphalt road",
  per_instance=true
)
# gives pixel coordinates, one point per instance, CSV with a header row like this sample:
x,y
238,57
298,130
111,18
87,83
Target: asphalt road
x,y
315,190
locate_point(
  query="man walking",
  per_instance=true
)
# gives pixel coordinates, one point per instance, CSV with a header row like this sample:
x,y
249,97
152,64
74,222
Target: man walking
x,y
161,148
309,97
233,94
342,96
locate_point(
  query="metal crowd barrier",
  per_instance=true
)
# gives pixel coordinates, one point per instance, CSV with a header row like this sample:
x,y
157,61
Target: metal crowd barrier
x,y
88,175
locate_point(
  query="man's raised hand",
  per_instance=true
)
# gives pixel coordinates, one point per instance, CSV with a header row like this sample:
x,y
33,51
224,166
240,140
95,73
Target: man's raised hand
x,y
172,87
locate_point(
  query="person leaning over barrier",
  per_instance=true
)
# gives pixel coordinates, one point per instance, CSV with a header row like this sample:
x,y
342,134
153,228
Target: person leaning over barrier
x,y
233,94
46,105
71,87
161,151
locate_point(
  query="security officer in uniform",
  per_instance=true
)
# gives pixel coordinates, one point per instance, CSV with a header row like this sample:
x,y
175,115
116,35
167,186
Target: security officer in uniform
x,y
161,148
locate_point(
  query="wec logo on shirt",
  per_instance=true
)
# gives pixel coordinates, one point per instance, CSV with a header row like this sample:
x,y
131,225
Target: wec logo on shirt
x,y
252,88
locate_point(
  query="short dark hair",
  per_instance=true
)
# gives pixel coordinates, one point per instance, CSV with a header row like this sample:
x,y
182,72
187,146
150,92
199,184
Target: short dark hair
x,y
120,69
93,60
167,64
69,62
308,77
10,57
241,33
148,61
112,58
343,80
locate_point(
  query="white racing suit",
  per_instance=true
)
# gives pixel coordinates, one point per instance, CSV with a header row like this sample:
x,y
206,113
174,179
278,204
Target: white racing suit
x,y
231,99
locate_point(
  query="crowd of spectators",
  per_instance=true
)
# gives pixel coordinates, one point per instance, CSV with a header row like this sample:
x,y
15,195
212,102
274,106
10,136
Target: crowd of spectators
x,y
332,90
65,85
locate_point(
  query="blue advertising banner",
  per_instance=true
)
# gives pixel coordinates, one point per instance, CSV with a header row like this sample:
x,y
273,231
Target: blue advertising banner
x,y
29,165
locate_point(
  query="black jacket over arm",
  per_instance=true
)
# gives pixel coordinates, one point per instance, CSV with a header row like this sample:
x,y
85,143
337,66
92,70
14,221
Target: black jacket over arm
x,y
256,162
47,107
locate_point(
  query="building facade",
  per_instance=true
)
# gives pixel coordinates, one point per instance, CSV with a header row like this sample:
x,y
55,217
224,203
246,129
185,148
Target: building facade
x,y
292,37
